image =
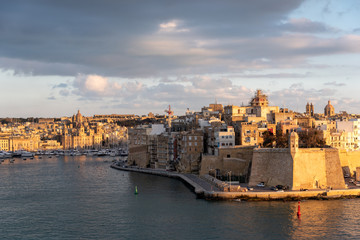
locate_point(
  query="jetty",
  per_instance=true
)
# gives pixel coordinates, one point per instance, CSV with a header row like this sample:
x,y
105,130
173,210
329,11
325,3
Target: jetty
x,y
210,188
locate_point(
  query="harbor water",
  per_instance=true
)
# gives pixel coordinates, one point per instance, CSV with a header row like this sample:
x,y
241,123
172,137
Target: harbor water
x,y
79,197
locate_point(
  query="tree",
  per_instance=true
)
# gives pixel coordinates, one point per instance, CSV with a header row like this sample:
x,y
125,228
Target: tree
x,y
311,138
269,139
282,140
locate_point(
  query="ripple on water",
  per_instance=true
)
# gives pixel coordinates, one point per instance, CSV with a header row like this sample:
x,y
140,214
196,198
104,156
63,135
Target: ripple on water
x,y
83,198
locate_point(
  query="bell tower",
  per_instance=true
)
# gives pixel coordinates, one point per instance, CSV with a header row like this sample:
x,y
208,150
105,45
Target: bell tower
x,y
293,143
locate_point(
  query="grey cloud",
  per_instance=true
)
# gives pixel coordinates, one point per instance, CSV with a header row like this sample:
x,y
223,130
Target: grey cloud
x,y
276,75
336,84
122,38
60,85
64,92
306,26
97,36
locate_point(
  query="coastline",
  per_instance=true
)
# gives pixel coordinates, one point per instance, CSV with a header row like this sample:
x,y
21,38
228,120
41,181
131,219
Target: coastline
x,y
203,189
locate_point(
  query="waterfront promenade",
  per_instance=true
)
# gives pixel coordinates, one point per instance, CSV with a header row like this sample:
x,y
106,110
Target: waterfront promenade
x,y
205,187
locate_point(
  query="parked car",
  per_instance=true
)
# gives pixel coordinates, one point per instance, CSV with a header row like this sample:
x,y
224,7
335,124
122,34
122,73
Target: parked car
x,y
262,184
304,189
274,188
280,186
249,188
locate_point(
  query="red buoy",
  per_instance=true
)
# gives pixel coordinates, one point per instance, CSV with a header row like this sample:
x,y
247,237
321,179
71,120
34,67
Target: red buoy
x,y
298,212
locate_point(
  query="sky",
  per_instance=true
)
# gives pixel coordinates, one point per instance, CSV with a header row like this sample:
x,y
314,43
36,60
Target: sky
x,y
139,56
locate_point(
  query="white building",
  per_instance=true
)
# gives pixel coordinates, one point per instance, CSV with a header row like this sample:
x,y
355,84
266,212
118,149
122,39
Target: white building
x,y
350,133
225,139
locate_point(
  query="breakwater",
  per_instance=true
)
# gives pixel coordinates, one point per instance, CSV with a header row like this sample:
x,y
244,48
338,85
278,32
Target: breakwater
x,y
209,189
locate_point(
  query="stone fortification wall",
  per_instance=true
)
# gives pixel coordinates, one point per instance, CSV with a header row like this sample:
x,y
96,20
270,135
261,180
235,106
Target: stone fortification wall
x,y
350,160
334,173
309,169
272,166
138,155
237,160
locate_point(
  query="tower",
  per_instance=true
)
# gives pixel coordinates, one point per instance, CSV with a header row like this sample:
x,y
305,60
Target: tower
x,y
307,109
310,109
293,143
170,113
260,99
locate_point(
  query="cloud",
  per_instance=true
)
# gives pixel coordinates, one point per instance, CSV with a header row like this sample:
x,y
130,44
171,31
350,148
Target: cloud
x,y
276,75
305,26
296,96
96,83
187,92
173,26
60,85
64,92
334,83
157,39
128,39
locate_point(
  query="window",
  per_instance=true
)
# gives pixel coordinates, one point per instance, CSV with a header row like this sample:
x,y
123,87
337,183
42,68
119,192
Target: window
x,y
228,156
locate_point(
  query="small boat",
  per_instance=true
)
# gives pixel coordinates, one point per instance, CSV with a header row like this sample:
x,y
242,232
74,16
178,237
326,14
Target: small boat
x,y
102,153
26,154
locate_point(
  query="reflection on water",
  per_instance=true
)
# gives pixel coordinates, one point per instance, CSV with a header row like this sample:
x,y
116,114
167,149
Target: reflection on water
x,y
82,197
328,219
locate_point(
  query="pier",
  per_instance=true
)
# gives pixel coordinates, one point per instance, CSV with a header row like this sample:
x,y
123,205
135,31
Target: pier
x,y
210,188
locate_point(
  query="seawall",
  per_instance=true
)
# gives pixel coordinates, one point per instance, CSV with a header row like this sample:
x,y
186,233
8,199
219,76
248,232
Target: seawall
x,y
195,187
194,183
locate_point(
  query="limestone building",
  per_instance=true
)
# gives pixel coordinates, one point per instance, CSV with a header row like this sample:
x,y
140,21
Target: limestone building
x,y
297,168
188,150
259,110
329,110
259,100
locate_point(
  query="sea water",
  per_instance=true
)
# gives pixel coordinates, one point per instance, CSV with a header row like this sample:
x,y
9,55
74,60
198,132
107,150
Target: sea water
x,y
83,198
